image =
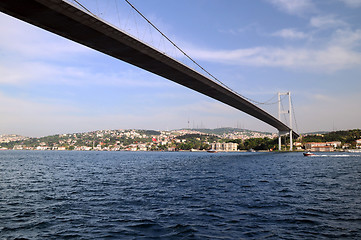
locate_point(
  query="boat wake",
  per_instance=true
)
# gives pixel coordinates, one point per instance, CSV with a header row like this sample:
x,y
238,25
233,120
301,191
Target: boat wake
x,y
337,155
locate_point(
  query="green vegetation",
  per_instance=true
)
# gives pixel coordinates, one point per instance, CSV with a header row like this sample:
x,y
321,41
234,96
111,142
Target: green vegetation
x,y
349,137
195,141
169,141
256,143
149,132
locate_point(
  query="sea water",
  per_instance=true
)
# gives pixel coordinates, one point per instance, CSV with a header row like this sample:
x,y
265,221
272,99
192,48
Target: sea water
x,y
179,195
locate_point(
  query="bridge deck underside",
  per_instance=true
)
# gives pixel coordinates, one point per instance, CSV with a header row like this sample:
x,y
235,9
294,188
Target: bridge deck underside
x,y
70,22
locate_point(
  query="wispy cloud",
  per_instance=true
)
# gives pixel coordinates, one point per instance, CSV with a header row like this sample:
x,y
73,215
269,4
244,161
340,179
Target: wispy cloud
x,y
352,3
340,51
46,58
250,27
16,37
39,57
347,38
295,7
331,58
290,33
24,72
328,21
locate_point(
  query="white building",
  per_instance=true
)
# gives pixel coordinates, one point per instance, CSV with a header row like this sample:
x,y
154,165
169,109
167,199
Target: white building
x,y
319,147
358,143
142,147
227,147
334,144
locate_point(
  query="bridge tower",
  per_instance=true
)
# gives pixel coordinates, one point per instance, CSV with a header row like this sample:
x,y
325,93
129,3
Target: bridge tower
x,y
289,112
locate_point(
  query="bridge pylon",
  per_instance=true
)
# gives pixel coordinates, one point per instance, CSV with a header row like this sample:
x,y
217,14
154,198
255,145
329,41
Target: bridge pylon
x,y
289,112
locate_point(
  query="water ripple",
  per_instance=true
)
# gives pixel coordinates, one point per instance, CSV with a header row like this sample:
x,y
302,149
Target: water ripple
x,y
92,195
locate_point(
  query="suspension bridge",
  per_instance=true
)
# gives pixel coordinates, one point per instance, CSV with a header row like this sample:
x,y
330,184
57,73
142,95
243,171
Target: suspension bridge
x,y
80,25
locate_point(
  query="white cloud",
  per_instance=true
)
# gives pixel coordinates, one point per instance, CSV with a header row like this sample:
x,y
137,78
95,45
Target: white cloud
x,y
328,21
250,27
293,6
352,3
17,37
32,55
331,58
347,38
289,33
340,52
22,72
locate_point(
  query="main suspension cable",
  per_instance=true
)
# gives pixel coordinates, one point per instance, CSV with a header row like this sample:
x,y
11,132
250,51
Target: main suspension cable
x,y
294,115
191,59
176,46
184,53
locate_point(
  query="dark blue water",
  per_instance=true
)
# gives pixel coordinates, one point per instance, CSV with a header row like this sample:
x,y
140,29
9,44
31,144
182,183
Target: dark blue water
x,y
125,195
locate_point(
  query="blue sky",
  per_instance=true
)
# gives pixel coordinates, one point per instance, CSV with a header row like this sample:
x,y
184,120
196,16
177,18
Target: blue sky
x,y
50,85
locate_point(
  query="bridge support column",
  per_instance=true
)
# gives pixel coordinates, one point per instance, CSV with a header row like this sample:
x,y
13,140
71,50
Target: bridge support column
x,y
279,141
291,141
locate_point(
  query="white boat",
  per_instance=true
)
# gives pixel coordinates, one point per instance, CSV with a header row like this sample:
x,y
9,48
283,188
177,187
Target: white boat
x,y
307,154
212,151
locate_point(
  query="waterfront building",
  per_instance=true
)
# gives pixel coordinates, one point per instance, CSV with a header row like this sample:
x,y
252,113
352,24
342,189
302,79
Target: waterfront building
x,y
297,145
227,147
18,147
319,147
358,143
42,148
335,144
142,147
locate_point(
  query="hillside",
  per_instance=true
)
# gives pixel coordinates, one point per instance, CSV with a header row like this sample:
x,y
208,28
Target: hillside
x,y
344,136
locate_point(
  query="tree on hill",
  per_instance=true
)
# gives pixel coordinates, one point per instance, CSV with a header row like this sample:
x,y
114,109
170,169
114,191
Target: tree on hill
x,y
149,132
